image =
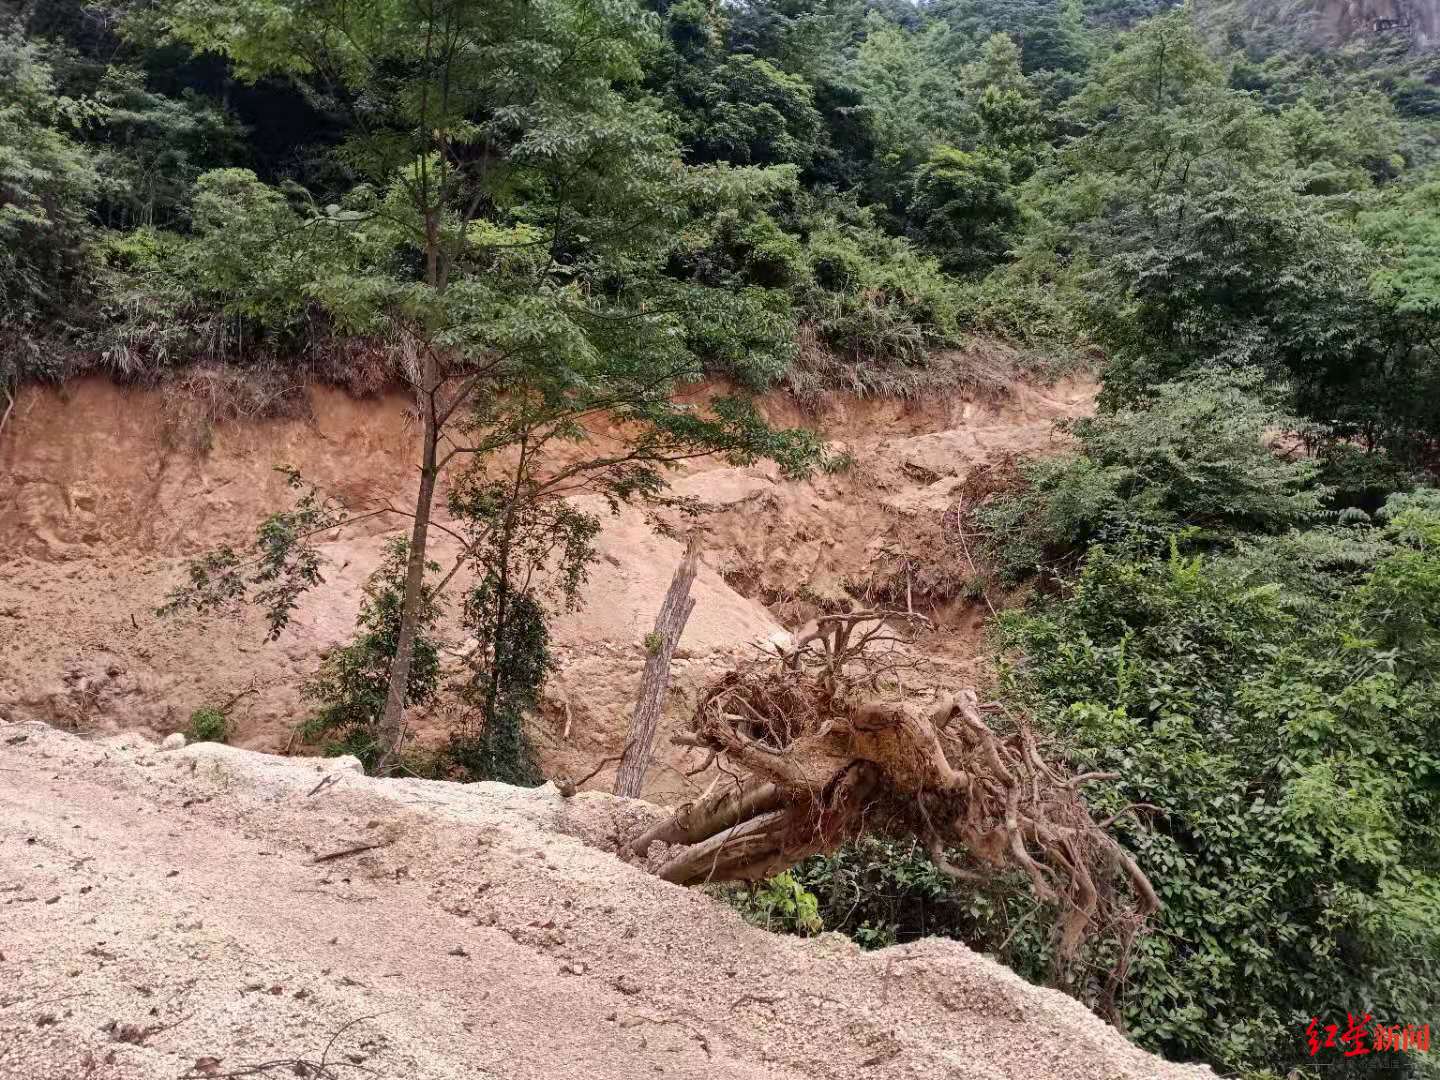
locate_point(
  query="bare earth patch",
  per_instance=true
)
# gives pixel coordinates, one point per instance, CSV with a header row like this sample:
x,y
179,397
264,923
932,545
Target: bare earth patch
x,y
98,510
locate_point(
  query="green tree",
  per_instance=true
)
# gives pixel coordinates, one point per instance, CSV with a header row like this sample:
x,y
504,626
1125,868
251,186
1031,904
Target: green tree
x,y
746,111
48,185
1394,400
1207,231
1011,115
908,80
1191,462
152,148
1345,146
535,196
349,690
964,208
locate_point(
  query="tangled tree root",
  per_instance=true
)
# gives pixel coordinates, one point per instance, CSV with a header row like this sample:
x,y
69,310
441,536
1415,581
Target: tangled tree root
x,y
825,743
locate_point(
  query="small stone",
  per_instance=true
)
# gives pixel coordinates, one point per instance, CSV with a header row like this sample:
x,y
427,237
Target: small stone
x,y
173,741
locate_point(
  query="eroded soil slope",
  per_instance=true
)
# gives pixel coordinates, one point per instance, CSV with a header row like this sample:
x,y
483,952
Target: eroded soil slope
x,y
164,915
104,491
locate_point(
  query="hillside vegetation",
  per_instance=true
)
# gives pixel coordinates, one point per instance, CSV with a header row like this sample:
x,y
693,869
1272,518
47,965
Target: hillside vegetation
x,y
531,214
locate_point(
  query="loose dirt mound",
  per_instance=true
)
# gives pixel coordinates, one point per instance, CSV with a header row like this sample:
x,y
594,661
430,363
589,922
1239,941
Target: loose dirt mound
x,y
164,915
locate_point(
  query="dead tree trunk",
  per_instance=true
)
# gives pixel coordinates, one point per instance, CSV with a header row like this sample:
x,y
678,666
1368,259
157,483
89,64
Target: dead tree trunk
x,y
669,625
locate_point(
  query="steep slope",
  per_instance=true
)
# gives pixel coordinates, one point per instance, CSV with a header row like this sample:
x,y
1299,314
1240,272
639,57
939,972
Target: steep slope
x,y
164,915
102,494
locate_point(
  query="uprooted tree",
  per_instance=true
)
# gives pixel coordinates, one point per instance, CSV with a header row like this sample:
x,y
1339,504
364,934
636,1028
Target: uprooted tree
x,y
825,742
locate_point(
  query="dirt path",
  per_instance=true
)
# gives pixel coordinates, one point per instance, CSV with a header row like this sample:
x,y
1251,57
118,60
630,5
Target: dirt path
x,y
161,914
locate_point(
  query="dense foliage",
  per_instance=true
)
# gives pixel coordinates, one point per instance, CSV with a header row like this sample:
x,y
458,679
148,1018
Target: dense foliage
x,y
1178,196
1282,736
1258,674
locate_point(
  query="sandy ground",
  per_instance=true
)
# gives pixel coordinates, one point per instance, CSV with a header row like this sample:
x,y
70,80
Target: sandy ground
x,y
162,915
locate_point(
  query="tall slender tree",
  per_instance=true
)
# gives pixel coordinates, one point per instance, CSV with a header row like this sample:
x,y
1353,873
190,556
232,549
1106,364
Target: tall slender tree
x,y
525,194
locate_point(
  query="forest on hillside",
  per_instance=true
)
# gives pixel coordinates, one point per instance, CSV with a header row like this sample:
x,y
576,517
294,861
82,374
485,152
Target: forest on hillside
x,y
1232,583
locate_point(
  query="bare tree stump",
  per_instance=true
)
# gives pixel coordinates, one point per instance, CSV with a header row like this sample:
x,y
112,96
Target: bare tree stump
x,y
660,644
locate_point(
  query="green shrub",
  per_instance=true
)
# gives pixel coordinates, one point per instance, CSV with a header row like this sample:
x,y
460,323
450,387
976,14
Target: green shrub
x,y
780,904
881,891
1191,461
349,689
207,724
875,297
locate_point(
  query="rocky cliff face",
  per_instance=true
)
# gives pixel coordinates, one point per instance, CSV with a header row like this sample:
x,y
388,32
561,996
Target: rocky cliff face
x,y
1343,20
1326,23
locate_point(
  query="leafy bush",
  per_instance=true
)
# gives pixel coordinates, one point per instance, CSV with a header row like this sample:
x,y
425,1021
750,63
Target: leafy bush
x,y
881,892
207,724
1190,461
874,308
780,904
349,689
256,277
1036,305
870,309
